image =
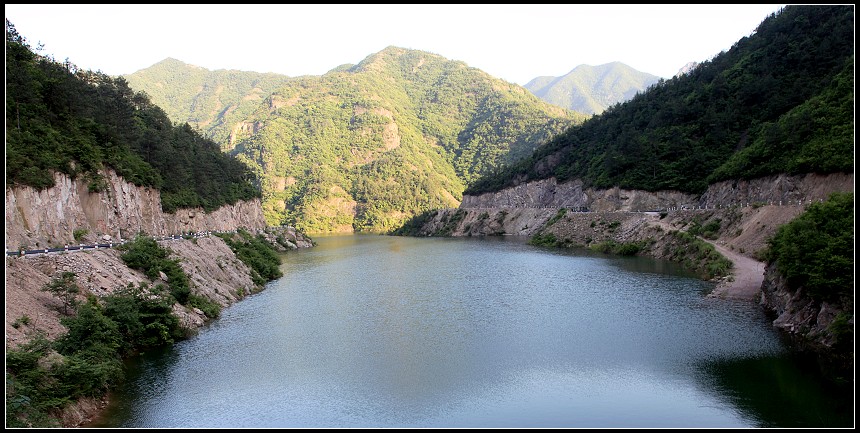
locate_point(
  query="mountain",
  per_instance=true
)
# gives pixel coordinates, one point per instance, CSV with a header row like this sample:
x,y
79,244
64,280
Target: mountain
x,y
592,89
210,101
366,146
779,101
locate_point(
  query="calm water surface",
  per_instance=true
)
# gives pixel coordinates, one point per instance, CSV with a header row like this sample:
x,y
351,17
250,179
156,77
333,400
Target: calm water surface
x,y
378,331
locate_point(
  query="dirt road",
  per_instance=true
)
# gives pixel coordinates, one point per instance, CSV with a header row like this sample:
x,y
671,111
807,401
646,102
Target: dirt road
x,y
748,275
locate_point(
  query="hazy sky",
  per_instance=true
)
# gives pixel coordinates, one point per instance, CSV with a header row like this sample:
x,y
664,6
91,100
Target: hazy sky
x,y
513,42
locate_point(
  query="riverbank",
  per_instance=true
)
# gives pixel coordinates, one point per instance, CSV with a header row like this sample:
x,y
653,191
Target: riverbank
x,y
214,272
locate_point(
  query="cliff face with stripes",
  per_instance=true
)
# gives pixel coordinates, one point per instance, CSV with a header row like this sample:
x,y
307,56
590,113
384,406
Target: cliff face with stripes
x,y
54,216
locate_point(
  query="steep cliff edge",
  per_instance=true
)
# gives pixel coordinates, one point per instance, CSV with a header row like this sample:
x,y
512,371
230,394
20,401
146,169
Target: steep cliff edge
x,y
54,216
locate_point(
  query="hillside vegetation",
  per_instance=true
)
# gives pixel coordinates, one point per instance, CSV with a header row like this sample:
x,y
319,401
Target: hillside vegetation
x,y
61,118
592,89
779,101
364,147
213,102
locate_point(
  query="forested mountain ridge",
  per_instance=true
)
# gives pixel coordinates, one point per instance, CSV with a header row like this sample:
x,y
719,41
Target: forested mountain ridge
x,y
592,89
63,119
363,147
211,101
779,101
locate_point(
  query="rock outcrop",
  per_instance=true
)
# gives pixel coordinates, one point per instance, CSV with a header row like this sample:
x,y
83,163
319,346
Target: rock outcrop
x,y
776,190
572,195
812,325
53,216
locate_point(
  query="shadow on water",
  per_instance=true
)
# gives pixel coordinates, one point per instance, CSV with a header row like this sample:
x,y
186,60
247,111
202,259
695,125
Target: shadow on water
x,y
153,363
780,391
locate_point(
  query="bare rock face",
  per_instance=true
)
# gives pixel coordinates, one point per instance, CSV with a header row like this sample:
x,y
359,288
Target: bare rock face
x,y
549,193
54,216
778,190
800,316
774,190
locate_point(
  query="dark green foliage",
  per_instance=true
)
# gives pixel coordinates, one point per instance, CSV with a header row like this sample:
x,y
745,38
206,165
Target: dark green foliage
x,y
144,254
619,248
451,222
209,307
91,332
707,231
842,329
88,362
696,255
64,286
143,316
545,240
815,251
413,226
779,101
30,387
62,119
257,253
815,137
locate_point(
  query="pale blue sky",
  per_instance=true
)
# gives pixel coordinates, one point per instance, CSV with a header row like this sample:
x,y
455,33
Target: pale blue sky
x,y
512,42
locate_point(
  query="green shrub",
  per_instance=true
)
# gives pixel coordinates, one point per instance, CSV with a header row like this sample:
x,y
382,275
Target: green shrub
x,y
23,320
558,215
544,240
65,287
78,234
258,254
209,307
815,251
144,254
144,316
619,248
88,358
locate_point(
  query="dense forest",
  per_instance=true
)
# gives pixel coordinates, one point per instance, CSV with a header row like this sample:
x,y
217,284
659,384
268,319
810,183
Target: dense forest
x,y
363,147
63,119
779,101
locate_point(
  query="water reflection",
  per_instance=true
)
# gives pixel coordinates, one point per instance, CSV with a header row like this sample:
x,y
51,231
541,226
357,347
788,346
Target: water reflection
x,y
779,391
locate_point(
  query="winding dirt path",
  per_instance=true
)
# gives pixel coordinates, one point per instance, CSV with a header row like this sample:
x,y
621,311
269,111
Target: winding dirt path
x,y
747,273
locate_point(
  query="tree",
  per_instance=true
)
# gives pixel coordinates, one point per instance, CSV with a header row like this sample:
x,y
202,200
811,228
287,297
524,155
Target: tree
x,y
65,288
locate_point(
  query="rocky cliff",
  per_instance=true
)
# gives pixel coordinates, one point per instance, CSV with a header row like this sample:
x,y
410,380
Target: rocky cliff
x,y
50,217
777,190
53,216
816,326
549,193
746,213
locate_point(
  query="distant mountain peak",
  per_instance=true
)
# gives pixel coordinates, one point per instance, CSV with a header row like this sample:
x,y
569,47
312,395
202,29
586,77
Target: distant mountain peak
x,y
592,89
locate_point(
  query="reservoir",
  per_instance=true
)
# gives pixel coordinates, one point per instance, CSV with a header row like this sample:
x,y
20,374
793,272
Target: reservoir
x,y
383,331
